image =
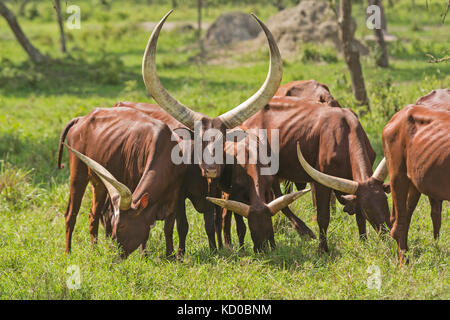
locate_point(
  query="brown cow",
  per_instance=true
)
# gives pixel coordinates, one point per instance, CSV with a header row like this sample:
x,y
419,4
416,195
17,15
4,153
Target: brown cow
x,y
194,187
333,140
416,144
230,119
122,144
305,89
240,176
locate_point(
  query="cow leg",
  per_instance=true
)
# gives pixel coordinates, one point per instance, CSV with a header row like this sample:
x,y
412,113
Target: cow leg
x,y
361,223
169,223
210,230
333,202
98,200
182,228
218,221
400,188
226,226
323,213
301,228
78,183
436,211
106,218
241,229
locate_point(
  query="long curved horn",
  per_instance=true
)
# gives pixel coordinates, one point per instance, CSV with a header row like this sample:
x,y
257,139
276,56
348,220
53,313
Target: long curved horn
x,y
336,183
117,191
243,209
235,206
245,110
276,205
179,111
381,171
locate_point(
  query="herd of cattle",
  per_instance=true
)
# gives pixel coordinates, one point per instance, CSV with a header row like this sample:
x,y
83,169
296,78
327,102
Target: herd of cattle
x,y
125,153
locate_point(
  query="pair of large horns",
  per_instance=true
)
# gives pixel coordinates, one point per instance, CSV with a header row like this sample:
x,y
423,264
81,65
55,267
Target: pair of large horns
x,y
336,183
119,193
231,118
244,209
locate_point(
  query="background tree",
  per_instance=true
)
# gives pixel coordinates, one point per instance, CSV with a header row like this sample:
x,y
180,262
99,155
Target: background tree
x,y
57,6
35,55
382,58
351,52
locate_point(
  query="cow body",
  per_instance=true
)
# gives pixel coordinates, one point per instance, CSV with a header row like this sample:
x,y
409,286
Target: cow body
x,y
333,142
136,150
416,144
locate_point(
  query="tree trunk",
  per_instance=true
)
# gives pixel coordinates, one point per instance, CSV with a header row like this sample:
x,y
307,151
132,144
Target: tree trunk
x,y
61,25
174,4
351,52
34,54
382,58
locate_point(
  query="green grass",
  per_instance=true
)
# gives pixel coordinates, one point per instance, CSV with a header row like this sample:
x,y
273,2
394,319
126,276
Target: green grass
x,y
103,67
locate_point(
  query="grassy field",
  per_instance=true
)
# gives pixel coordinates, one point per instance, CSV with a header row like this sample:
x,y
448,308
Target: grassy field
x,y
103,67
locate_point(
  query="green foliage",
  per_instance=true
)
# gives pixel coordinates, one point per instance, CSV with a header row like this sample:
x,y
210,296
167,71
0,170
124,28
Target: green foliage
x,y
317,53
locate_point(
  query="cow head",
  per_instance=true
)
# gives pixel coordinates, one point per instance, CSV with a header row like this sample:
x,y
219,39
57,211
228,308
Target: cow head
x,y
367,195
252,186
259,215
130,224
192,119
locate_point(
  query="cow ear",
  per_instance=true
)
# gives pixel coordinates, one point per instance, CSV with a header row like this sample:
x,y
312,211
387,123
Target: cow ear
x,y
144,201
387,187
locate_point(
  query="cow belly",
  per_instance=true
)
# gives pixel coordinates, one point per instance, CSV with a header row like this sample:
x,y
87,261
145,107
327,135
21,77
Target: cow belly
x,y
432,180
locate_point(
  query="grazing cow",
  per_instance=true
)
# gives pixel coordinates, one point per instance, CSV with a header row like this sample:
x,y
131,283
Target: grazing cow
x,y
238,177
416,144
194,187
333,140
229,120
305,89
122,144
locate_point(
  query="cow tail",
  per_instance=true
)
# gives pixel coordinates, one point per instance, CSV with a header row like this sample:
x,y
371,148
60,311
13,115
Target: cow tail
x,y
63,138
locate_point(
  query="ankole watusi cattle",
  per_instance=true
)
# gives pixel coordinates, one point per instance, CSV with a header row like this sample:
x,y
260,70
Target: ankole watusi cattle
x,y
416,144
336,145
125,154
244,179
259,215
306,89
226,121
